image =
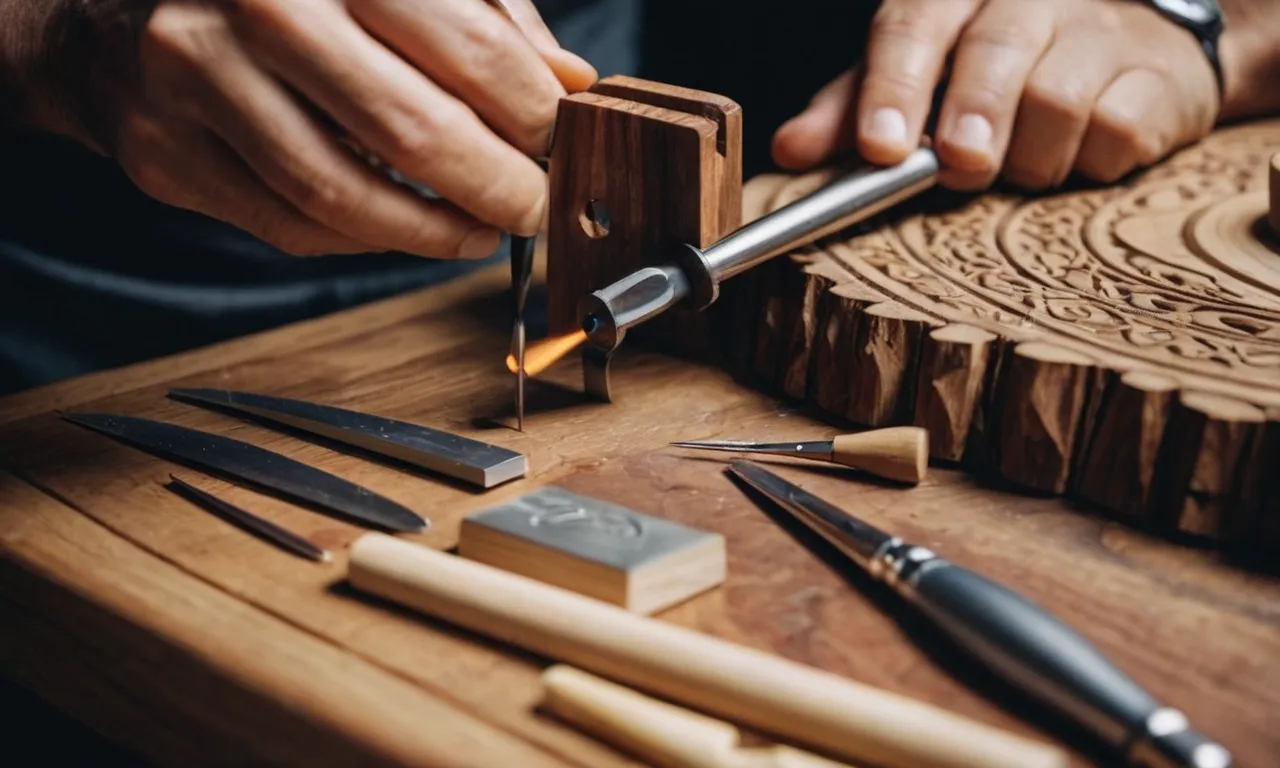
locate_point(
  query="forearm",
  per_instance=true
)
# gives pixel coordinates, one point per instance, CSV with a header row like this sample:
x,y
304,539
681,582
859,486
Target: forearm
x,y
1251,58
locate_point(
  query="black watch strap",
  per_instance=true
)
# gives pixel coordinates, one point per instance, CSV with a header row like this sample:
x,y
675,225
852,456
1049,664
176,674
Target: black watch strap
x,y
1204,20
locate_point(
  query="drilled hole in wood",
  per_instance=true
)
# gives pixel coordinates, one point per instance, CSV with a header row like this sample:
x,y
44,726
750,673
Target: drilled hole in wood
x,y
595,219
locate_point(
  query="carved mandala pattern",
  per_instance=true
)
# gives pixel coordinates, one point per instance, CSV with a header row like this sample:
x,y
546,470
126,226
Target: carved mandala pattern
x,y
1118,344
1164,273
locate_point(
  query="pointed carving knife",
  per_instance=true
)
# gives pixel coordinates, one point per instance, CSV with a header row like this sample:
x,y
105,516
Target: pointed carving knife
x,y
240,461
459,457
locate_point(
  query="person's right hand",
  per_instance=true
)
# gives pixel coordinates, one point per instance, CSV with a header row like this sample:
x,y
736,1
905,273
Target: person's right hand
x,y
233,108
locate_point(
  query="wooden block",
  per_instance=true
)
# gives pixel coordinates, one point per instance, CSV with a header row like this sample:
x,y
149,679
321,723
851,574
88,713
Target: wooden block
x,y
636,169
595,548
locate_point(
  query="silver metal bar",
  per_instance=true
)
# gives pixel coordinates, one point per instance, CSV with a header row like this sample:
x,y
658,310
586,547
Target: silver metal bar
x,y
851,198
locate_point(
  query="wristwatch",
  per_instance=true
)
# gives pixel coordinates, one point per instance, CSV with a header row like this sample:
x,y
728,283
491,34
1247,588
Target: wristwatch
x,y
1205,20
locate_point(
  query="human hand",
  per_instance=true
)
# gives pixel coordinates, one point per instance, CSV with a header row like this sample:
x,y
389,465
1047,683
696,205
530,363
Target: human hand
x,y
232,108
1037,89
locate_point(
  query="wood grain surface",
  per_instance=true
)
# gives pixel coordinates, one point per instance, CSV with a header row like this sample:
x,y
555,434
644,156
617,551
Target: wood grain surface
x,y
195,643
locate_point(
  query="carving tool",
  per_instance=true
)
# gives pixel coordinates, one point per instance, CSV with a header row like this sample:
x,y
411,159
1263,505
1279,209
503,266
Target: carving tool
x,y
521,276
1014,637
657,732
821,710
259,526
693,275
459,457
895,453
245,463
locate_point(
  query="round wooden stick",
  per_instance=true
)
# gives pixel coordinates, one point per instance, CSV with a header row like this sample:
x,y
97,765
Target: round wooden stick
x,y
741,684
659,732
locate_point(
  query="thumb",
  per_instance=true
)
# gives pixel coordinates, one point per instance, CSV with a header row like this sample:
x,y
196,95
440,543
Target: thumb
x,y
574,72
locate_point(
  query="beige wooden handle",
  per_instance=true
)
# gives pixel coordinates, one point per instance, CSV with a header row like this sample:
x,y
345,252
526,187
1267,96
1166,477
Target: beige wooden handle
x,y
740,684
661,733
897,453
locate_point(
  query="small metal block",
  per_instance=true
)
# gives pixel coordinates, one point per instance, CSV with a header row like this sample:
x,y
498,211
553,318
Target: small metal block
x,y
596,548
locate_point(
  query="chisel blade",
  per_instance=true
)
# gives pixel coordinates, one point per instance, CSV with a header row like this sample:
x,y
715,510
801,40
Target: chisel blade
x,y
459,457
239,461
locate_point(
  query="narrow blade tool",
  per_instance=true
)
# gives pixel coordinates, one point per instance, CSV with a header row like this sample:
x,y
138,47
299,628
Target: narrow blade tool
x,y
258,526
895,453
462,458
521,277
246,463
1011,635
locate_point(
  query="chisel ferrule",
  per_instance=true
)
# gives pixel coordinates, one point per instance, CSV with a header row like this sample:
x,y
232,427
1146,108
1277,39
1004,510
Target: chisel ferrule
x,y
693,275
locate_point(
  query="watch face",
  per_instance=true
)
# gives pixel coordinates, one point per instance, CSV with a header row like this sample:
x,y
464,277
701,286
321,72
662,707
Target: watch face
x,y
1196,11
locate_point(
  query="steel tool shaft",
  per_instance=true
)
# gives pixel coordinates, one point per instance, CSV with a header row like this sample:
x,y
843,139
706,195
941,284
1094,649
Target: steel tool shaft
x,y
1012,636
521,277
693,275
259,526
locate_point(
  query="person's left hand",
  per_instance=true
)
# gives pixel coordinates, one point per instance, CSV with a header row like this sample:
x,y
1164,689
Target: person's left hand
x,y
1038,89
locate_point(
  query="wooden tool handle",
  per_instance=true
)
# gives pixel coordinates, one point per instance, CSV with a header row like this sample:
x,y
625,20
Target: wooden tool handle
x,y
896,453
741,684
660,733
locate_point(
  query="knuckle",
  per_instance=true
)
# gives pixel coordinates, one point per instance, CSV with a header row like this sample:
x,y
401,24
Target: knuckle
x,y
320,195
413,135
1130,136
901,22
1061,99
999,32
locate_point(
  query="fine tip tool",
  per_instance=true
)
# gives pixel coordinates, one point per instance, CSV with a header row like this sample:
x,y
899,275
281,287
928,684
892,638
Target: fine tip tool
x,y
894,453
1009,634
521,277
258,526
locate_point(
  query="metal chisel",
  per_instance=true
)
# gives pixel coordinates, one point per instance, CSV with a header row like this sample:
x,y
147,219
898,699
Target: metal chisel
x,y
245,463
471,461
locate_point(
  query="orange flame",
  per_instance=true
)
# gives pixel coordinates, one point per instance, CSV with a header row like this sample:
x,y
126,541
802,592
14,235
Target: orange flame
x,y
541,355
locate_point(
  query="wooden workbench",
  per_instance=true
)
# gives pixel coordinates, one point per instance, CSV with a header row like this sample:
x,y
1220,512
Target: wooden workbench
x,y
193,643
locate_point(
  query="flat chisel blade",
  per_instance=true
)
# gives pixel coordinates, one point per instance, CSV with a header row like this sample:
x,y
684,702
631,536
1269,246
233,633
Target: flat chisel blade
x,y
240,461
462,458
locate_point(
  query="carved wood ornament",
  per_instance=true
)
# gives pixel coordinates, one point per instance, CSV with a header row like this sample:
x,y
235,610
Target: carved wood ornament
x,y
1118,345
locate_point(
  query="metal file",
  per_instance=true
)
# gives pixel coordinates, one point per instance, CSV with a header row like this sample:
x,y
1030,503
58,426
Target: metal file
x,y
471,461
240,461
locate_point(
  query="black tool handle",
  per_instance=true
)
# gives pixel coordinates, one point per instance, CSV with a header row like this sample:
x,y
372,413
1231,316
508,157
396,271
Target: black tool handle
x,y
1032,648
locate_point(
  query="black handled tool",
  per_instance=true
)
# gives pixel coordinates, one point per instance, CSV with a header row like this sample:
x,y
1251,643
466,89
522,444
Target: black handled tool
x,y
1011,635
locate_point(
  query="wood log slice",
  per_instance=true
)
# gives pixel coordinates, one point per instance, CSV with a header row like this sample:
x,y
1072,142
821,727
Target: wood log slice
x,y
1146,291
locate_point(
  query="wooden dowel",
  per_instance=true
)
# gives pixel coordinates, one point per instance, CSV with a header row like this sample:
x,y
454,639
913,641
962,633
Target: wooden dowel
x,y
660,733
740,684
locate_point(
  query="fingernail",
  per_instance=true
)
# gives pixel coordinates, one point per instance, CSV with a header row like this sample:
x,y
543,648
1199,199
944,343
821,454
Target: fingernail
x,y
888,125
972,132
479,244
